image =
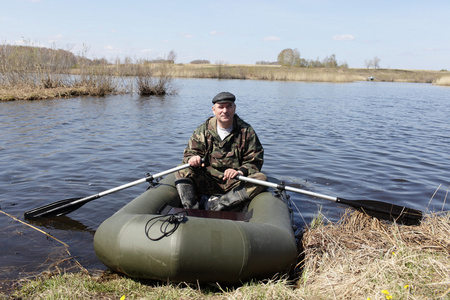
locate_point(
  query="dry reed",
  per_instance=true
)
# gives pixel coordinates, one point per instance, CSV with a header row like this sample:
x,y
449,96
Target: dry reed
x,y
359,257
154,79
31,73
364,258
273,73
281,73
444,80
51,73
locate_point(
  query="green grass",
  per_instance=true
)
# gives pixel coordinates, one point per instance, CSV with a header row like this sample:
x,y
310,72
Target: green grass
x,y
356,258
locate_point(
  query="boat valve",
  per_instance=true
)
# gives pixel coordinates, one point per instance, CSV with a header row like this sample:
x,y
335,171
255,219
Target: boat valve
x,y
175,219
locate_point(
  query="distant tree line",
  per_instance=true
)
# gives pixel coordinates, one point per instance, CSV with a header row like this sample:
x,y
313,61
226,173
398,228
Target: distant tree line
x,y
158,61
200,62
27,56
291,57
267,63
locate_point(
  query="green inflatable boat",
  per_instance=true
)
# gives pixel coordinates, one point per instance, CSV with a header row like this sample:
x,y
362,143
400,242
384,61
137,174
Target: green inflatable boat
x,y
152,237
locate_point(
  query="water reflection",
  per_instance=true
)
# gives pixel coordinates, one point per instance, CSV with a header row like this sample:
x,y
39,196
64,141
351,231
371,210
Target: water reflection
x,y
65,223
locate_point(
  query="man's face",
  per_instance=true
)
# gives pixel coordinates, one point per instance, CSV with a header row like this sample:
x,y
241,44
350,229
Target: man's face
x,y
224,113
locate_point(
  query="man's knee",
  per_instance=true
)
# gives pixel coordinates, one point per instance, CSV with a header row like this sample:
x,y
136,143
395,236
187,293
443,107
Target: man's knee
x,y
259,176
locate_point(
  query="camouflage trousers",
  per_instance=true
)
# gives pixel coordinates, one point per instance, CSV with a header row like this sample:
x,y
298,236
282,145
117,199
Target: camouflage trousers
x,y
209,185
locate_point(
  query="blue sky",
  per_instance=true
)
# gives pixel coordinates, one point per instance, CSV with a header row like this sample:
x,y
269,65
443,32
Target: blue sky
x,y
402,34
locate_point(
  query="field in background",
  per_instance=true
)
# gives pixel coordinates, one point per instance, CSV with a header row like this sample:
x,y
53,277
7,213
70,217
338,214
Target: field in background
x,y
274,72
28,82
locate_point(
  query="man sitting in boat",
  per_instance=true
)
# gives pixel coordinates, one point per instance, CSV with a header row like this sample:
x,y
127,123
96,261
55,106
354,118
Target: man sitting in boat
x,y
229,147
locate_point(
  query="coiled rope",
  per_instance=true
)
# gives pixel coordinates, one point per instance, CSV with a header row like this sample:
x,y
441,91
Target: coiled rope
x,y
169,224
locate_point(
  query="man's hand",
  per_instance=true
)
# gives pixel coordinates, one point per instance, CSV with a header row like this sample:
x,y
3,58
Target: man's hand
x,y
196,161
231,173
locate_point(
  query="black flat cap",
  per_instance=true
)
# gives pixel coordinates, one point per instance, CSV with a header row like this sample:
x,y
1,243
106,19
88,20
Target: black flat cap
x,y
224,97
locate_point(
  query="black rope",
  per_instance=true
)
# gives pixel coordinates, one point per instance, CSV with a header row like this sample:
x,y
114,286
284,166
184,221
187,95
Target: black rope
x,y
169,224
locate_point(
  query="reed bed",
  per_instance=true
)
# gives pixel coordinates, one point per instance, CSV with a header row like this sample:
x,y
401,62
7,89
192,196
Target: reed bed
x,y
396,75
444,80
272,73
31,73
363,258
154,79
282,73
358,257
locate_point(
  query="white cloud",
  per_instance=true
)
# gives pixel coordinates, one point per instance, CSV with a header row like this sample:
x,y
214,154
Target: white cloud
x,y
343,37
271,38
188,36
213,32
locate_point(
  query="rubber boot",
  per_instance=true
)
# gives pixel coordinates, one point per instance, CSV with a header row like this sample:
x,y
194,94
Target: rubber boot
x,y
230,200
186,191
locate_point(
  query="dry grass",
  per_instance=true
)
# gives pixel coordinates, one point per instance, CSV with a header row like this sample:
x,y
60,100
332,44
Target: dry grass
x,y
359,257
396,75
262,72
31,73
362,258
444,80
30,93
22,83
257,72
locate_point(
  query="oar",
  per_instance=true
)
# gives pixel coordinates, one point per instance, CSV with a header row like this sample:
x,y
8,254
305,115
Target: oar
x,y
377,209
66,206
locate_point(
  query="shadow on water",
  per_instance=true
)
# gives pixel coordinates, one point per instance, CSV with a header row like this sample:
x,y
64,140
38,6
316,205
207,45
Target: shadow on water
x,y
64,223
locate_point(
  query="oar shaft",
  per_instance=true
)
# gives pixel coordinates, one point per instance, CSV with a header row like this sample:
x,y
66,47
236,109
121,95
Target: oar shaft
x,y
377,209
68,205
130,184
287,188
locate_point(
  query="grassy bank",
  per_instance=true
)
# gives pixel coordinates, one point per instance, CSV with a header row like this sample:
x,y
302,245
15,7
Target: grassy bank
x,y
444,80
32,73
273,72
156,78
358,257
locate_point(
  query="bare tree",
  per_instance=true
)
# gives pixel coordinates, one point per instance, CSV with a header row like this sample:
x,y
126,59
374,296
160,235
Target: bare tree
x,y
373,63
330,62
172,56
376,62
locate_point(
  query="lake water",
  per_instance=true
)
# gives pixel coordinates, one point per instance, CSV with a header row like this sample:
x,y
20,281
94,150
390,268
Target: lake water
x,y
363,140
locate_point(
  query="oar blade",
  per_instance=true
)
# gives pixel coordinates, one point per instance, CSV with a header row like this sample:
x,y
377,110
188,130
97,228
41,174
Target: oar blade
x,y
66,206
386,211
54,209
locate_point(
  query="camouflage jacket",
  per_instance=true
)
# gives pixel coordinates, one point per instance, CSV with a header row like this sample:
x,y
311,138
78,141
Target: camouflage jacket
x,y
240,150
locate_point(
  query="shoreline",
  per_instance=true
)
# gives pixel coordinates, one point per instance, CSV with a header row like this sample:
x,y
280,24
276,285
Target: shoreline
x,y
358,256
215,71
